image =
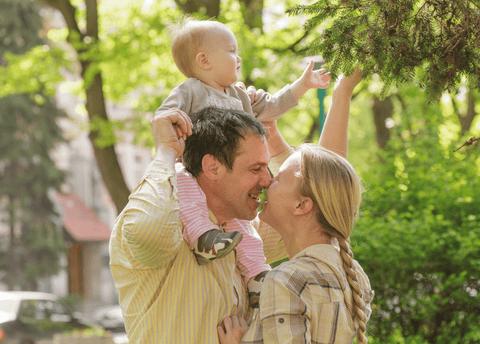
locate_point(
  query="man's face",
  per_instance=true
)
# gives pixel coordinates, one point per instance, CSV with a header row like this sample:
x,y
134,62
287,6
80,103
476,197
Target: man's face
x,y
239,188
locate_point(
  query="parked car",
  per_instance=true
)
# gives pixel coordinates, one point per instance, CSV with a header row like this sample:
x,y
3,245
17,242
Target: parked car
x,y
110,318
26,317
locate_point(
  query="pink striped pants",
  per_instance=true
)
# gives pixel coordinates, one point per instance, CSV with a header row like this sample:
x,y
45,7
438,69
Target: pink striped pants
x,y
196,221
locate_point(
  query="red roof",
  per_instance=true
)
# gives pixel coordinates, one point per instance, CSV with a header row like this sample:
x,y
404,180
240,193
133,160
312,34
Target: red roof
x,y
80,221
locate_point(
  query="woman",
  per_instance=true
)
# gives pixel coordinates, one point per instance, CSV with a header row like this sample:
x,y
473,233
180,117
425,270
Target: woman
x,y
321,294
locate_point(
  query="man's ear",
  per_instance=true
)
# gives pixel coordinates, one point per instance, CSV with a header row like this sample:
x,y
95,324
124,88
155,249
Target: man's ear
x,y
304,206
203,61
212,168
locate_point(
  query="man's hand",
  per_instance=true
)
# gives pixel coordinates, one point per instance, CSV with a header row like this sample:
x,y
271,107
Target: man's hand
x,y
234,330
170,130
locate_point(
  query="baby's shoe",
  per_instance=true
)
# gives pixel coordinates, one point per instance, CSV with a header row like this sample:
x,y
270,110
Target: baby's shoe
x,y
254,287
215,244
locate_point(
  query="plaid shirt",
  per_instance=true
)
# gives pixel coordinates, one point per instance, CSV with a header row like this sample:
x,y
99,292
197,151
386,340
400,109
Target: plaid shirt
x,y
306,300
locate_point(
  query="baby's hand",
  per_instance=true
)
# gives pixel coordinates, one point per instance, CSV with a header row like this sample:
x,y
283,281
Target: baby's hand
x,y
170,128
252,92
315,78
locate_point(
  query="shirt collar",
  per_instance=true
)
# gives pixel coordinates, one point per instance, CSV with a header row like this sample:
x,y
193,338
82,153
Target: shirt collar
x,y
324,252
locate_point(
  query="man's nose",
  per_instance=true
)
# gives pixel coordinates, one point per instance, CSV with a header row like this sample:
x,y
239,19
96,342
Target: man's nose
x,y
266,179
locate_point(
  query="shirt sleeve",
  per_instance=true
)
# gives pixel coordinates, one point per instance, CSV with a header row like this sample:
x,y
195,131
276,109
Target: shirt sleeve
x,y
279,159
273,106
151,230
283,314
180,97
269,107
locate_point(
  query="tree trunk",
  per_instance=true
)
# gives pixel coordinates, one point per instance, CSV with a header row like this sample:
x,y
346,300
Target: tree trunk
x,y
253,13
107,160
12,259
467,119
382,109
211,7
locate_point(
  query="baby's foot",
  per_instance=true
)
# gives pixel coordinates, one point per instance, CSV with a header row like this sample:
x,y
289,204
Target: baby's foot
x,y
254,287
215,244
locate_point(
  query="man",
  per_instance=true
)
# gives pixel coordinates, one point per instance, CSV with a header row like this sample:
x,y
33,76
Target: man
x,y
166,297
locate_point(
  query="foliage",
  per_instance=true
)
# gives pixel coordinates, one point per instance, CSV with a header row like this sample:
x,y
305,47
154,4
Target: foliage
x,y
419,232
28,134
419,229
436,41
92,332
125,58
72,301
133,54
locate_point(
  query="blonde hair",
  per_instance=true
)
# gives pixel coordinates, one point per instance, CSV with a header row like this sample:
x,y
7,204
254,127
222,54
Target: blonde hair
x,y
335,188
189,35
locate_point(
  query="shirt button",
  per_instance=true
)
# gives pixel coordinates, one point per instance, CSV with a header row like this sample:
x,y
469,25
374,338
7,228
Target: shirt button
x,y
281,320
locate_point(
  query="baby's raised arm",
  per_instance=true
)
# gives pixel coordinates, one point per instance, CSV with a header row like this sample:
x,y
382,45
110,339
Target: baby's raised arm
x,y
310,79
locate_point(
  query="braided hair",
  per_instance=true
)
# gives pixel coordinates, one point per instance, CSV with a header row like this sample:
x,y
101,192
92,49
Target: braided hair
x,y
335,188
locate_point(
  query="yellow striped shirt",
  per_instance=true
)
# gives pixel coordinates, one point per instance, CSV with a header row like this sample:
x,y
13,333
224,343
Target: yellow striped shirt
x,y
165,296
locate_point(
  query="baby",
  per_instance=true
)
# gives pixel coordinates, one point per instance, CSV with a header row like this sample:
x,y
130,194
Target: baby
x,y
206,52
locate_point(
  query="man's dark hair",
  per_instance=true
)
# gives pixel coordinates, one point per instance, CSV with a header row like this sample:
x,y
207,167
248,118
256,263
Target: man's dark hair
x,y
218,132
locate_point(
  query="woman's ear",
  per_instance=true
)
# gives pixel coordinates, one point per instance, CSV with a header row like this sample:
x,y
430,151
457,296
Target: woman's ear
x,y
304,206
212,168
202,61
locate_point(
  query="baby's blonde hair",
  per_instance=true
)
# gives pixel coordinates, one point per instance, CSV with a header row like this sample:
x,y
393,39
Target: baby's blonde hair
x,y
189,36
336,190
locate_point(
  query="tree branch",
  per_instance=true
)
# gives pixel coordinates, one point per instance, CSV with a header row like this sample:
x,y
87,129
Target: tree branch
x,y
67,10
292,46
92,18
469,142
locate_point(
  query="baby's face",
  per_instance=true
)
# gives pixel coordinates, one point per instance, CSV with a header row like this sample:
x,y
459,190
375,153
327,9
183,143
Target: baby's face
x,y
223,54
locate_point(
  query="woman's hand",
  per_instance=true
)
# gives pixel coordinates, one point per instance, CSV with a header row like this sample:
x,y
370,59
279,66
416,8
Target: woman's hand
x,y
232,331
350,82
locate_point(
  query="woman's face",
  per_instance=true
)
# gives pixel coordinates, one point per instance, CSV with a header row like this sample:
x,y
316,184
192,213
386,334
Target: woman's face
x,y
283,195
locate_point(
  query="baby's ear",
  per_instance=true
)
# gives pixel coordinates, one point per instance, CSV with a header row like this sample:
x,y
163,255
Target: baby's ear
x,y
203,61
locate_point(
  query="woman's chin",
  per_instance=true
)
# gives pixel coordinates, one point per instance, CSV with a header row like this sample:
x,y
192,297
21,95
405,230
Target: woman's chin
x,y
263,214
